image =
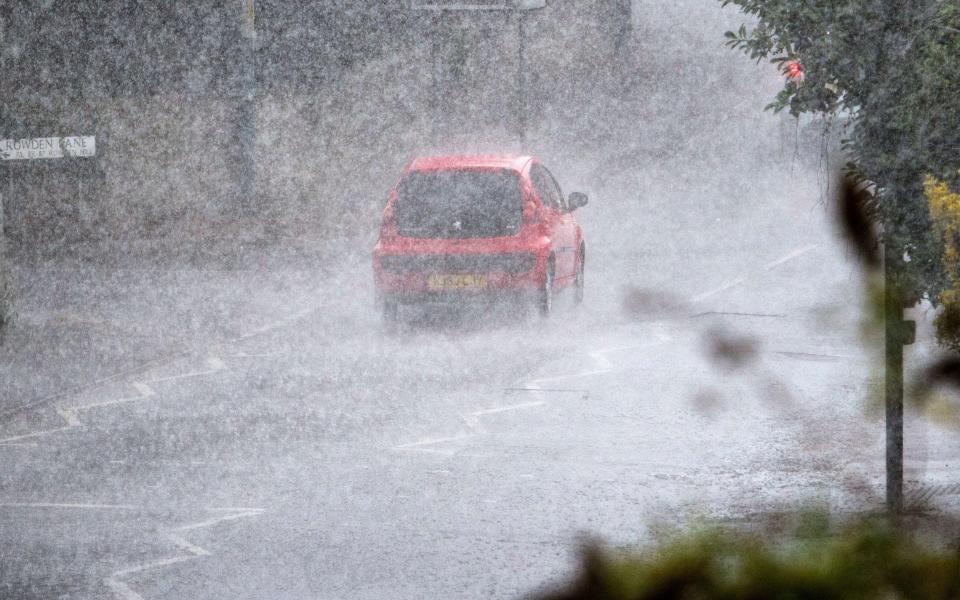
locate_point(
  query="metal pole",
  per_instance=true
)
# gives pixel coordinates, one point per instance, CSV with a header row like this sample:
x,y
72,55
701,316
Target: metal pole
x,y
522,81
248,110
893,392
436,76
894,327
5,119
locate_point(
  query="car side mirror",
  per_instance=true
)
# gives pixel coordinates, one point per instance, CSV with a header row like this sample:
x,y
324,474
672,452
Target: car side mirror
x,y
576,200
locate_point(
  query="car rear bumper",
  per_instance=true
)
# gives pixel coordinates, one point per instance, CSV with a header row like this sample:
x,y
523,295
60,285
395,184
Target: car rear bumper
x,y
424,284
445,276
403,267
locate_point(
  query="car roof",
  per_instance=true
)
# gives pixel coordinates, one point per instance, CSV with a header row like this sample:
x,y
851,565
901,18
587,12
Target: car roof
x,y
515,162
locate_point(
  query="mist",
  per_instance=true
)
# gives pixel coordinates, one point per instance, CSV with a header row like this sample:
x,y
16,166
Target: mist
x,y
200,398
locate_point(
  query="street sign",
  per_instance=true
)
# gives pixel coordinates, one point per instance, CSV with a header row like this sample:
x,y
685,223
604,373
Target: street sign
x,y
51,147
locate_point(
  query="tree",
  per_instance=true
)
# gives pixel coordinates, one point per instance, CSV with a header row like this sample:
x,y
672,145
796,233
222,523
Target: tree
x,y
887,69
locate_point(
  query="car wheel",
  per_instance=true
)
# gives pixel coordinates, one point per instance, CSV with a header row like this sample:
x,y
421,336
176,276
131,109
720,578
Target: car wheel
x,y
388,311
545,301
578,284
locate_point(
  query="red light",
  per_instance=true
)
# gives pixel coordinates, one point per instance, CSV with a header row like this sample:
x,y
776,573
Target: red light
x,y
794,71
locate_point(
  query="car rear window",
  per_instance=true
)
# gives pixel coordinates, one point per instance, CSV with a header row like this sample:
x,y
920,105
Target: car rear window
x,y
459,204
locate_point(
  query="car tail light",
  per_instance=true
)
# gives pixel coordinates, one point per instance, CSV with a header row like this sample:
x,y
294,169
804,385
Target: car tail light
x,y
388,226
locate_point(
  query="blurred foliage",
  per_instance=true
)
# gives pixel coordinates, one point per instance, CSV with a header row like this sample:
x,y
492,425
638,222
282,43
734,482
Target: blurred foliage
x,y
866,560
945,208
888,72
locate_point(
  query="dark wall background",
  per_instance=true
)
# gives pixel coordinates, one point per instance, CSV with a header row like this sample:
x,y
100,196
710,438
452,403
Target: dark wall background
x,y
346,93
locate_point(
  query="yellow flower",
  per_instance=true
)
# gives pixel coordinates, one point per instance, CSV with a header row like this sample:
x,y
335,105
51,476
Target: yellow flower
x,y
945,211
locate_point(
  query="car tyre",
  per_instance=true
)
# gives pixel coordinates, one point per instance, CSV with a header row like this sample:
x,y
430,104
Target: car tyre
x,y
389,312
545,299
579,282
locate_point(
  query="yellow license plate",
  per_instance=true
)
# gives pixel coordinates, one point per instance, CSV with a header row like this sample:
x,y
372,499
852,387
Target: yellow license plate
x,y
456,282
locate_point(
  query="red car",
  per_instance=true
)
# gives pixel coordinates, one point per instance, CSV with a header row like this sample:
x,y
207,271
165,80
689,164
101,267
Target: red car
x,y
472,225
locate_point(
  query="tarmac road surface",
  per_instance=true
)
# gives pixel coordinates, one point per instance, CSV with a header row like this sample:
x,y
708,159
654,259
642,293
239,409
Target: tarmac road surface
x,y
293,449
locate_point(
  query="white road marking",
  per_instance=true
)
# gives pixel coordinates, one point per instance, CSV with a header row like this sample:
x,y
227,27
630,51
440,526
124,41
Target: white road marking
x,y
599,357
247,355
772,265
275,325
500,409
472,419
187,546
27,436
71,505
69,416
473,423
432,441
537,390
74,409
535,382
792,255
216,365
114,583
123,591
69,413
718,290
163,562
234,514
144,389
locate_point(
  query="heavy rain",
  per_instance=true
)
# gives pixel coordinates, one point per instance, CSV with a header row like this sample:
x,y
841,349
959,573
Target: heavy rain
x,y
420,298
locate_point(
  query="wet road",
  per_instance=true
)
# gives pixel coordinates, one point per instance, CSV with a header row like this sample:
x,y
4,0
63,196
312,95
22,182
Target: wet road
x,y
299,451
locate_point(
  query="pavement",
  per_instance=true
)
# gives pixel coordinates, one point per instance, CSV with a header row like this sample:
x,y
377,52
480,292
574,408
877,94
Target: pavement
x,y
255,433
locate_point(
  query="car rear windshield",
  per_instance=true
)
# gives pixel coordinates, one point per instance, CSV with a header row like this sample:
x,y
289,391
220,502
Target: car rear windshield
x,y
459,204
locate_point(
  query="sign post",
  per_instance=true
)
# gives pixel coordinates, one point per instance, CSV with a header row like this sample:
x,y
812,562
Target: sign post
x,y
42,149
